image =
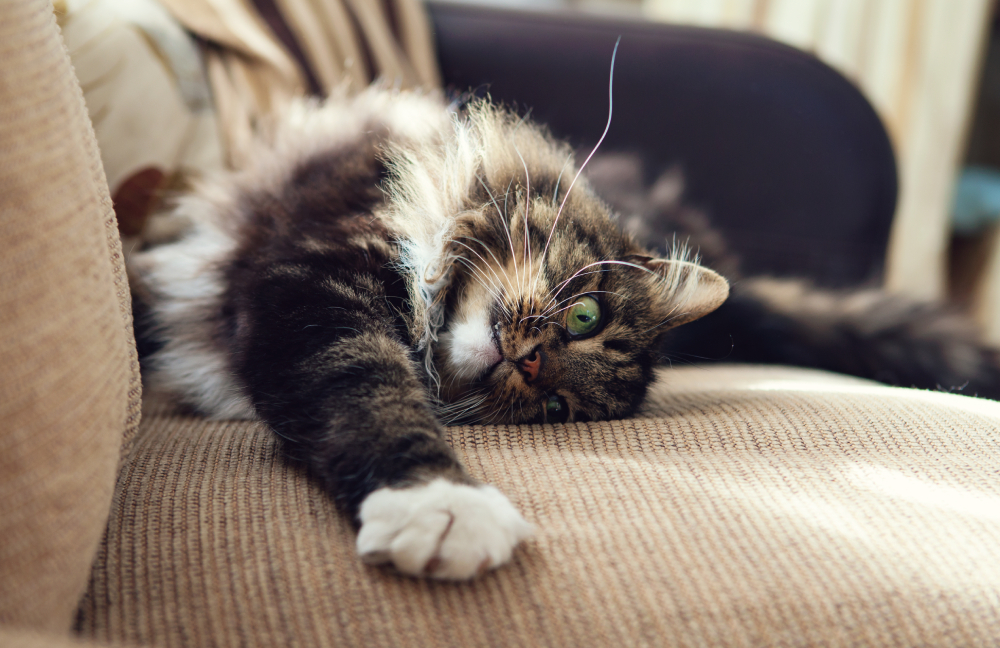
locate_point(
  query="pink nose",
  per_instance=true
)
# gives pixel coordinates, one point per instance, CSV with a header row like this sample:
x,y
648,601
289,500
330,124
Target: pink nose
x,y
531,365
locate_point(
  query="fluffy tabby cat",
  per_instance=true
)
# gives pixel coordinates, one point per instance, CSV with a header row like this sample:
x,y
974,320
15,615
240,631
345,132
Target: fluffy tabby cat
x,y
388,264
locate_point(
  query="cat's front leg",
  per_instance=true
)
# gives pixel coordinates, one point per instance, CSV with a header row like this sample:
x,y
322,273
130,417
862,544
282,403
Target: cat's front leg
x,y
330,375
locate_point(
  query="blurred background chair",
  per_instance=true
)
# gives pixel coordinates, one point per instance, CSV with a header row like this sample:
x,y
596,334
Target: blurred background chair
x,y
785,155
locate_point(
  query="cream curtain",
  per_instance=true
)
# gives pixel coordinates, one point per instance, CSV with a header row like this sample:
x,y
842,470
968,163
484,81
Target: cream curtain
x,y
167,106
345,43
918,62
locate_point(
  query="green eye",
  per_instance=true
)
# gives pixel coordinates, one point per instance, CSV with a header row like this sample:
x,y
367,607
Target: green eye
x,y
584,316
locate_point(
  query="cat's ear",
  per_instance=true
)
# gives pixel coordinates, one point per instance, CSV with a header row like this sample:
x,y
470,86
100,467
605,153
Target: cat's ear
x,y
682,291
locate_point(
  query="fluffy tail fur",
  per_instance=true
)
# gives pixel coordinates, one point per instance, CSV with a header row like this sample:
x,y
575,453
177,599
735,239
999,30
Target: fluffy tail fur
x,y
864,332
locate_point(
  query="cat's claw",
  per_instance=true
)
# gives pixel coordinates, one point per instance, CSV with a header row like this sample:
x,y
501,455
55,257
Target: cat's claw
x,y
440,529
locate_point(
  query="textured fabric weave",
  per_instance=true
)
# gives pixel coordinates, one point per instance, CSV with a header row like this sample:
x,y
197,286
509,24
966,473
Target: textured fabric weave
x,y
69,383
753,507
29,639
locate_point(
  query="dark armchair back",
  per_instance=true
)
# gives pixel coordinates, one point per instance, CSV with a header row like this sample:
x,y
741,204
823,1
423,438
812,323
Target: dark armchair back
x,y
786,156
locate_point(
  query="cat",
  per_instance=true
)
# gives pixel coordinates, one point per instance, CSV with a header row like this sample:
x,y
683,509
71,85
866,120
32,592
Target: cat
x,y
390,263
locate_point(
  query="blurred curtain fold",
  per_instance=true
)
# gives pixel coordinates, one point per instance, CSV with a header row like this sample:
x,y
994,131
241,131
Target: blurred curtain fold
x,y
918,62
182,84
176,88
260,53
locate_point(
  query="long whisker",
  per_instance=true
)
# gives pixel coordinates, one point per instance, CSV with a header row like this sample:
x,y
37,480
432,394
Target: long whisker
x,y
495,292
492,254
670,361
523,118
598,263
506,224
498,282
576,276
503,289
607,127
490,250
547,314
464,397
458,410
678,354
527,204
478,275
565,308
503,218
464,403
555,193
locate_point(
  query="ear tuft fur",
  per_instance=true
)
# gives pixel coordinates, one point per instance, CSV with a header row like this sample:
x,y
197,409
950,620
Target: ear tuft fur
x,y
688,290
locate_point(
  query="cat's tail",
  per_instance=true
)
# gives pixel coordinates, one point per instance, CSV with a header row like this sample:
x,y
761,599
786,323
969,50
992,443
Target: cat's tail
x,y
867,333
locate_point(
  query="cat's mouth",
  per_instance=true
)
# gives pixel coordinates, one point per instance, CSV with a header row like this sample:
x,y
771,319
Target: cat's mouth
x,y
494,348
473,351
489,370
489,361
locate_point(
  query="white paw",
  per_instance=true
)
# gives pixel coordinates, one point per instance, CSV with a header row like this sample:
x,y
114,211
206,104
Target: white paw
x,y
440,529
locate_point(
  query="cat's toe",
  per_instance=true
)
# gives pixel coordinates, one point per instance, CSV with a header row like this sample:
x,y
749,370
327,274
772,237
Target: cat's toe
x,y
440,529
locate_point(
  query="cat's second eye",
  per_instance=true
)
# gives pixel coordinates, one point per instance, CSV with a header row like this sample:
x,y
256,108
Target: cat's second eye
x,y
584,316
555,409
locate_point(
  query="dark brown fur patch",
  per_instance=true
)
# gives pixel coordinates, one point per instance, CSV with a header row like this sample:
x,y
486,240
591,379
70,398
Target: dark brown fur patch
x,y
316,318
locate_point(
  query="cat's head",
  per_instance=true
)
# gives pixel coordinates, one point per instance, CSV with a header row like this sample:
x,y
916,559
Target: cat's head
x,y
563,324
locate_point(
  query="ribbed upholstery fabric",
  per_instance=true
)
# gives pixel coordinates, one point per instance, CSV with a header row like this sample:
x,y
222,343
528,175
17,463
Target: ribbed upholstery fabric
x,y
69,383
753,507
29,639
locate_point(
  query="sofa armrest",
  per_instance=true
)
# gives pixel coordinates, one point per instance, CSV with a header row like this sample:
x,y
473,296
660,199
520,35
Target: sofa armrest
x,y
69,383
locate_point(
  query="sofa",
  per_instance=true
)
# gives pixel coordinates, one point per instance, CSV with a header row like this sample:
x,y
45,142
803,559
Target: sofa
x,y
746,505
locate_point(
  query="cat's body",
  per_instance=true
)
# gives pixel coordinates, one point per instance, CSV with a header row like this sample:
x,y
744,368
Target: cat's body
x,y
387,264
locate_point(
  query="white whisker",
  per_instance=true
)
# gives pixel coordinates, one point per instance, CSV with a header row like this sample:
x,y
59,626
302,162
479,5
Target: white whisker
x,y
506,221
457,411
527,204
547,315
555,194
607,127
497,283
495,293
550,305
490,250
597,263
503,219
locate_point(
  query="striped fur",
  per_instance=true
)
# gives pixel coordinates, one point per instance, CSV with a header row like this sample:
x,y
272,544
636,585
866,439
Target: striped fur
x,y
388,264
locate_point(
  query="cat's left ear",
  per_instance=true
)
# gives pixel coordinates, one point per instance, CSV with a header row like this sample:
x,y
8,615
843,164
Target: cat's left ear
x,y
683,291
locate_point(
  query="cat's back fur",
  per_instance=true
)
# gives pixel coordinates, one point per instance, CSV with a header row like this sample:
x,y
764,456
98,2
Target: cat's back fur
x,y
184,285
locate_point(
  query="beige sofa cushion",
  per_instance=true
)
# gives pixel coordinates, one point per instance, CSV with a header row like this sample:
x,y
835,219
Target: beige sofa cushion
x,y
754,507
69,384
